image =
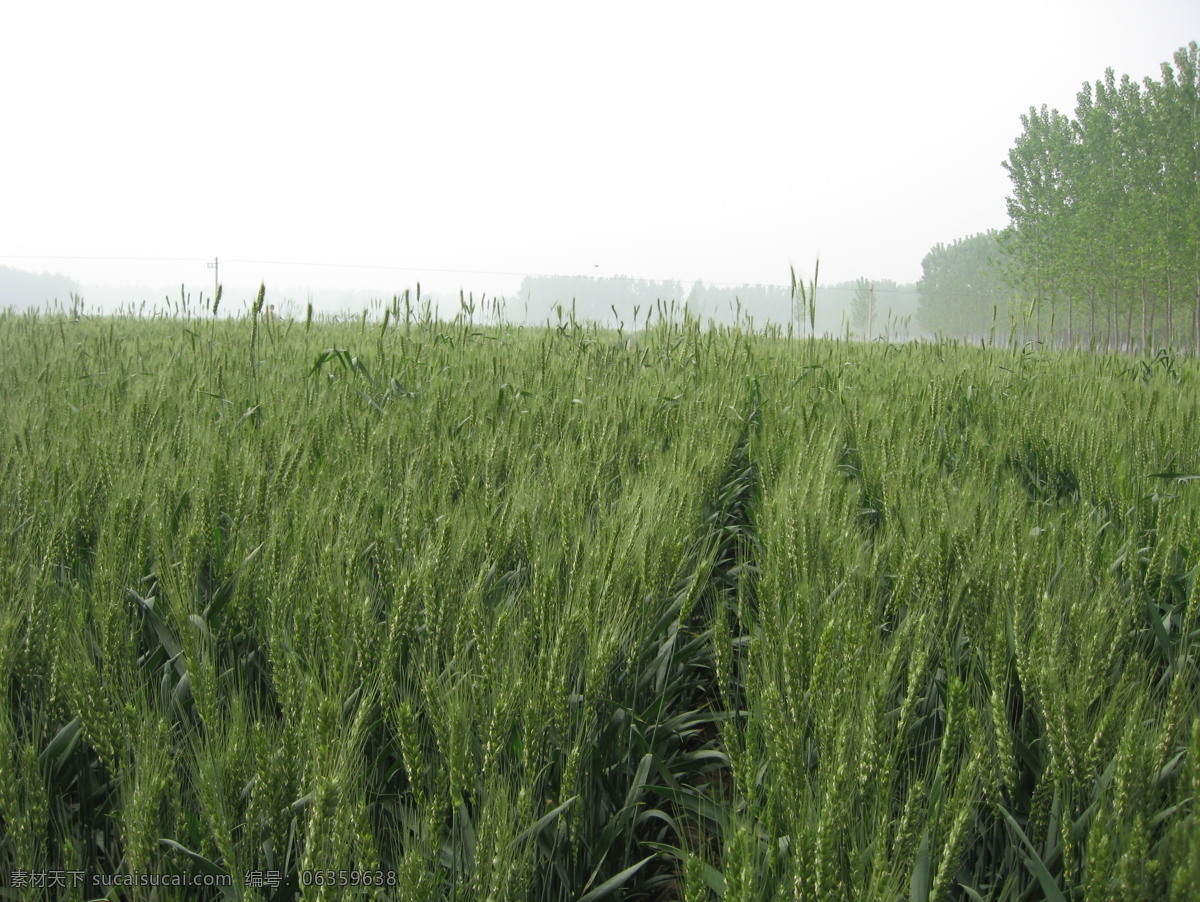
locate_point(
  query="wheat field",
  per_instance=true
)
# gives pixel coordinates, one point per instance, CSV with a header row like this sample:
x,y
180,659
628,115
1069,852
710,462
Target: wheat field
x,y
429,610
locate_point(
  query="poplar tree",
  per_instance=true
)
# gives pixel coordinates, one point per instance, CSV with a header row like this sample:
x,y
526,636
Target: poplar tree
x,y
1103,211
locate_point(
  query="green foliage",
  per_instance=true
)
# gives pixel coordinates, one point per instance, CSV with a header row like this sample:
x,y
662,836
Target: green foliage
x,y
964,290
1103,229
542,614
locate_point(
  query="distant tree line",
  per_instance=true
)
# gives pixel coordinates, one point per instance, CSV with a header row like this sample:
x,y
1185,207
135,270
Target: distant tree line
x,y
594,299
879,308
590,298
23,290
1104,232
728,303
965,289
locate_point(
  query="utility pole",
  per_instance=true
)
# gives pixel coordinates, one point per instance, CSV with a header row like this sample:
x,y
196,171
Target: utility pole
x,y
215,266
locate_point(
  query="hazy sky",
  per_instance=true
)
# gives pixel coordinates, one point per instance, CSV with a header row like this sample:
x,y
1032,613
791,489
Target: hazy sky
x,y
668,140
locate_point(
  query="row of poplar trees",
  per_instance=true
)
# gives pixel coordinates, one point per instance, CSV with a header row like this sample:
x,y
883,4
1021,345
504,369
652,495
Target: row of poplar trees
x,y
1104,239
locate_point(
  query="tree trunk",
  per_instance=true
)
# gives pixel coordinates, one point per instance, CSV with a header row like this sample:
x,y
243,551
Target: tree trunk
x,y
1092,324
1169,310
1114,326
1153,309
1197,333
1129,329
1143,288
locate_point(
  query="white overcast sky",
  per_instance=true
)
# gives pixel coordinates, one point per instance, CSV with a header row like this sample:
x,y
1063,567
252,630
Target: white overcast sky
x,y
667,140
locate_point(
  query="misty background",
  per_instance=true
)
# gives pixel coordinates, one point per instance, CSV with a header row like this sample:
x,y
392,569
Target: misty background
x,y
609,156
863,307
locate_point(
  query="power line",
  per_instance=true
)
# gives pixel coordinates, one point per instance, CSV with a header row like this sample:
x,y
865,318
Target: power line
x,y
489,272
102,259
373,266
